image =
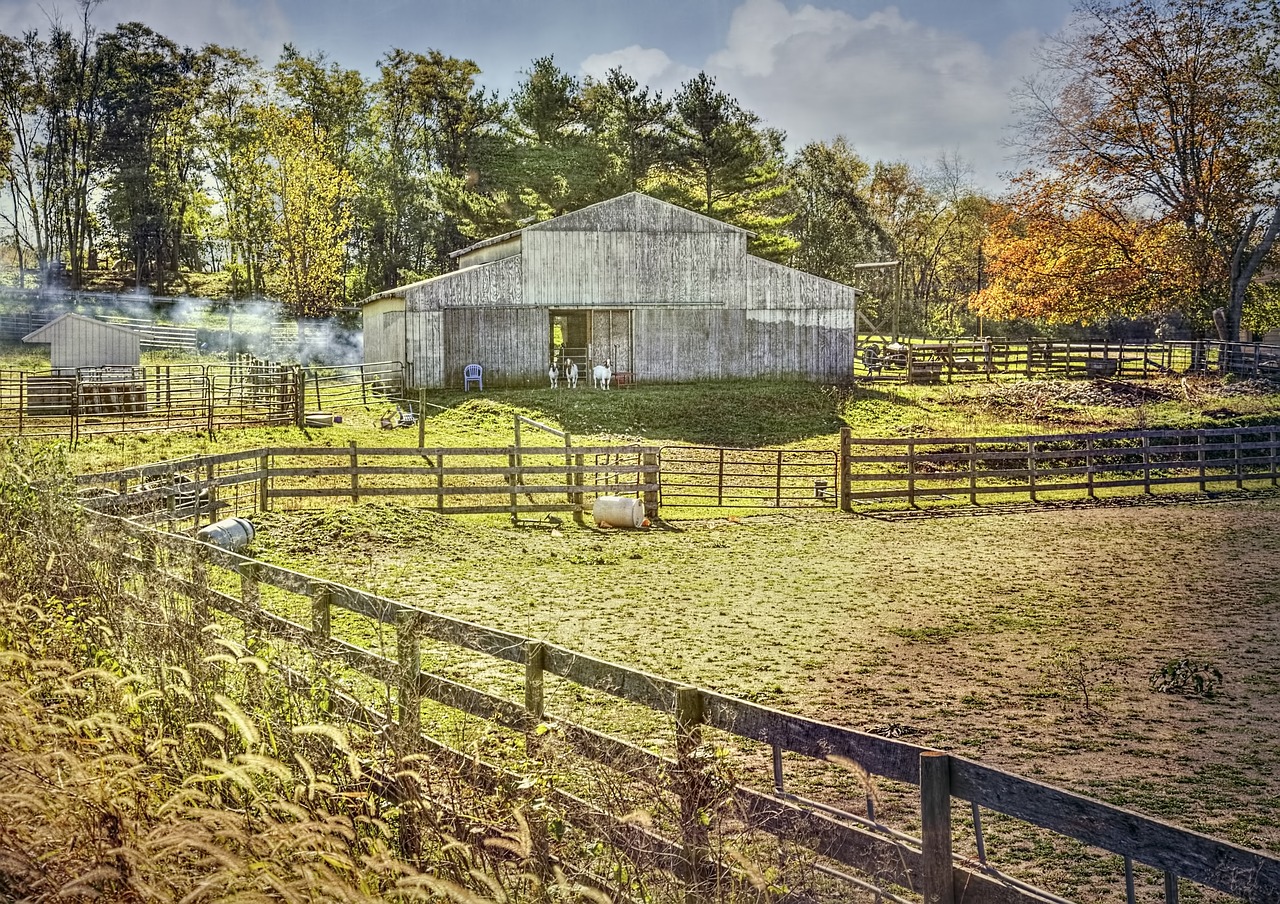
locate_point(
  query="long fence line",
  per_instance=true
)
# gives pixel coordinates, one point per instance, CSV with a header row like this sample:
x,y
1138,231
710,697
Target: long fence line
x,y
922,469
859,851
515,480
922,361
199,397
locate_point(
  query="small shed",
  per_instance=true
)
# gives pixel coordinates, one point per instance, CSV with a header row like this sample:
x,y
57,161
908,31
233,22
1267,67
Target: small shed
x,y
77,341
658,292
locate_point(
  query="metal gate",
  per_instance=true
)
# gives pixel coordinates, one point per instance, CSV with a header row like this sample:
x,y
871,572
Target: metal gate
x,y
696,476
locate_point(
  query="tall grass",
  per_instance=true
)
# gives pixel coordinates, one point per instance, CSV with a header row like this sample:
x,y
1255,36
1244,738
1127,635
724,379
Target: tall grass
x,y
144,761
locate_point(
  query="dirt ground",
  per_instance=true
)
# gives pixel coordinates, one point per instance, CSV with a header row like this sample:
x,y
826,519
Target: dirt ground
x,y
1024,639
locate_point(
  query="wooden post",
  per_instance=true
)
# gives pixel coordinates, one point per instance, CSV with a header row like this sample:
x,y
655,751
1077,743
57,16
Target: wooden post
x,y
409,693
1088,464
846,470
1146,464
300,397
693,789
911,474
321,614
936,880
250,593
651,477
1200,457
1031,469
1237,440
579,498
568,468
440,481
973,473
720,481
534,656
1272,458
355,472
264,483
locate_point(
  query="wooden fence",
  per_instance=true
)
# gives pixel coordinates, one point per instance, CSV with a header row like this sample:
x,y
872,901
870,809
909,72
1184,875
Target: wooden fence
x,y
855,851
950,468
515,480
959,359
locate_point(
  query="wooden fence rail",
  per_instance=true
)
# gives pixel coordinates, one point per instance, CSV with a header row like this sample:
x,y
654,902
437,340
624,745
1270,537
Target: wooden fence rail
x,y
515,480
948,468
849,844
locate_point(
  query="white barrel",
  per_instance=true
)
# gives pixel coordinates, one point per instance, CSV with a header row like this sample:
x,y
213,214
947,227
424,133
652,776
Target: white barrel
x,y
231,534
618,511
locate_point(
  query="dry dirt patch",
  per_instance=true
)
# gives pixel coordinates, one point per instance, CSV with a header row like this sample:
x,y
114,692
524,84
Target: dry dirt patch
x,y
978,635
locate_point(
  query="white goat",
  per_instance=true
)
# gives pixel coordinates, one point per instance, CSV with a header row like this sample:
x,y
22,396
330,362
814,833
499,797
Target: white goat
x,y
602,374
572,374
554,374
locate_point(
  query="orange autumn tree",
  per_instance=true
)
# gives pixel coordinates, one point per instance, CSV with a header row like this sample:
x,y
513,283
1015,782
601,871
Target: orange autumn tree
x,y
1055,254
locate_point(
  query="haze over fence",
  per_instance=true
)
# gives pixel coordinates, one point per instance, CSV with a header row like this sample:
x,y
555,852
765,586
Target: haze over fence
x,y
698,816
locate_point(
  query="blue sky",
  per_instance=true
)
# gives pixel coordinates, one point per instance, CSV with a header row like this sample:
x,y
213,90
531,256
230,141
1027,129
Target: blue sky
x,y
907,81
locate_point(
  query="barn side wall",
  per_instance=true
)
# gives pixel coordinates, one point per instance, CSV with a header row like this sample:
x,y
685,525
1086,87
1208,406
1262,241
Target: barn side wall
x,y
384,330
511,344
77,343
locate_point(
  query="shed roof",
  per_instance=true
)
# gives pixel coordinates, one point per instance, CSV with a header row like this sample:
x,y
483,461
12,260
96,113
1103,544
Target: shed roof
x,y
53,327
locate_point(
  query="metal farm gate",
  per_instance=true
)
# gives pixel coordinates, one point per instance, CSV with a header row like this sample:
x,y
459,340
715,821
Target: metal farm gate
x,y
701,477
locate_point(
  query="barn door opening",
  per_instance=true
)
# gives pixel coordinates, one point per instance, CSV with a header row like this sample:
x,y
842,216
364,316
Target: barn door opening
x,y
611,340
589,338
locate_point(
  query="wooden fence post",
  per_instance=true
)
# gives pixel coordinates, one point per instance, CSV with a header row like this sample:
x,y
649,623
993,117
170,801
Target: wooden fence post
x,y
250,592
264,483
355,472
534,657
911,474
1031,469
322,614
973,473
409,692
846,470
579,498
1200,456
1146,464
440,482
693,789
936,880
422,420
1237,440
1272,458
651,477
1088,464
300,397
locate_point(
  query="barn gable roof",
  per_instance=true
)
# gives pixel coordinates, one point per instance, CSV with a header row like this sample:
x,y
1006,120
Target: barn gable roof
x,y
54,328
632,212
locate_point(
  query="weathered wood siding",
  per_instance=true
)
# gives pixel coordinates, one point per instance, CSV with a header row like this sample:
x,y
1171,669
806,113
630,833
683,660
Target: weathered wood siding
x,y
424,350
490,253
511,344
79,341
489,285
384,335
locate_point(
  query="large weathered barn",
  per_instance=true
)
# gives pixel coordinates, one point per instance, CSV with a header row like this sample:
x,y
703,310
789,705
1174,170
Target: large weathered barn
x,y
659,292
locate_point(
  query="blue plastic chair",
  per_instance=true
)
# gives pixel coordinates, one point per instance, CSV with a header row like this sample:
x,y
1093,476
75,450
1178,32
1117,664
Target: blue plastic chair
x,y
473,374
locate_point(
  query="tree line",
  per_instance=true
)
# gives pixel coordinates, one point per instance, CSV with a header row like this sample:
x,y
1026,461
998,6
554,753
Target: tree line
x,y
1150,190
313,183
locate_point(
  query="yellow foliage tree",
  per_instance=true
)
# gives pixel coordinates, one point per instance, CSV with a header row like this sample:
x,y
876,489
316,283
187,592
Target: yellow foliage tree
x,y
312,217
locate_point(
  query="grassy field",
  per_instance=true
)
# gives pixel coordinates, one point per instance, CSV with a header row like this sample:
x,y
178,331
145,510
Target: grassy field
x,y
1027,637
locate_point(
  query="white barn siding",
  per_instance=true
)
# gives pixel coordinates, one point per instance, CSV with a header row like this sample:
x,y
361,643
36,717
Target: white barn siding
x,y
384,334
511,344
77,341
424,349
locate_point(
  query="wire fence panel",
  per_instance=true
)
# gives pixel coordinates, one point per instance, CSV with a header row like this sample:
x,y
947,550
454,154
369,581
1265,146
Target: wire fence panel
x,y
697,476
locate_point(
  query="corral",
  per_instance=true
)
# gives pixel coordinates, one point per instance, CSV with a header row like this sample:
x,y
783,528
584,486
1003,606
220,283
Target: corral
x,y
1010,640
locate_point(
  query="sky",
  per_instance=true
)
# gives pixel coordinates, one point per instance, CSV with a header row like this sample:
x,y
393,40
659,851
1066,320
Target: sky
x,y
909,81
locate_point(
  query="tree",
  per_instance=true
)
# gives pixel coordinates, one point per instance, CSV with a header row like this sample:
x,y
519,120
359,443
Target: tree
x,y
311,221
630,124
1150,114
724,163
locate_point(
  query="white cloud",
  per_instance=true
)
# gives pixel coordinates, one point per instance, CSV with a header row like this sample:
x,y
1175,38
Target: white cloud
x,y
258,26
897,88
647,65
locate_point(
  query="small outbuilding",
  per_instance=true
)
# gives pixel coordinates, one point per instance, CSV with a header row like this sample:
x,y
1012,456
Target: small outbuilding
x,y
658,292
76,341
